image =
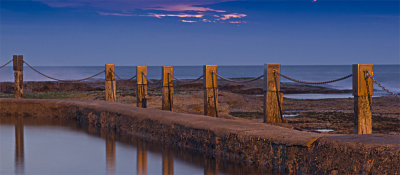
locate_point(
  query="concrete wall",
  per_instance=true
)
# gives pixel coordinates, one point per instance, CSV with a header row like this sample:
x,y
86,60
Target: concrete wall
x,y
282,149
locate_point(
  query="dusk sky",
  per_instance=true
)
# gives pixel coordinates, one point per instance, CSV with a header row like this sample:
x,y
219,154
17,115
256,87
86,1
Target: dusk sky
x,y
197,32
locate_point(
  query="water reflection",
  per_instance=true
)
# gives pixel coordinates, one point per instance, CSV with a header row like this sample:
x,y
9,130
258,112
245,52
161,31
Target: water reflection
x,y
19,146
110,155
210,166
141,161
167,162
82,152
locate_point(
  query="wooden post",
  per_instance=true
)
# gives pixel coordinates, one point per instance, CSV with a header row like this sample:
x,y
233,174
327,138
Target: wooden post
x,y
362,91
272,111
141,93
168,87
18,64
210,90
111,89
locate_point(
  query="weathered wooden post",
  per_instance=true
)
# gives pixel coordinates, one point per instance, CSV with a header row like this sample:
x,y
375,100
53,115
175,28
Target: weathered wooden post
x,y
168,87
18,65
210,90
111,94
362,91
273,99
141,93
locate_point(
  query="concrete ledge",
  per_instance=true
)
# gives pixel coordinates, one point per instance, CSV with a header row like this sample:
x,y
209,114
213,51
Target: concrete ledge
x,y
269,146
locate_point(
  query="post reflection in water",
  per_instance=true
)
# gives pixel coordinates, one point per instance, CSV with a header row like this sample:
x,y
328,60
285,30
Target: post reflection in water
x,y
210,166
141,158
19,146
162,155
167,162
110,154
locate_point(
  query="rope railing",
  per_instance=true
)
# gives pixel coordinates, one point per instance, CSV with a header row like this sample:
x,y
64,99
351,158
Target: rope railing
x,y
235,81
380,85
56,79
4,65
306,82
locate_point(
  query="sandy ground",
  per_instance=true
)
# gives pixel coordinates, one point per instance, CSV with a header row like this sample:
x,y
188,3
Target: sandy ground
x,y
236,102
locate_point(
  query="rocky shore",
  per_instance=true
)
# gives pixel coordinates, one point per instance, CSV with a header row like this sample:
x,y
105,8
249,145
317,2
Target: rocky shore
x,y
237,102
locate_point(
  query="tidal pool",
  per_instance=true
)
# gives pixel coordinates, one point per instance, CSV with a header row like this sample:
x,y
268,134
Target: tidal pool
x,y
53,147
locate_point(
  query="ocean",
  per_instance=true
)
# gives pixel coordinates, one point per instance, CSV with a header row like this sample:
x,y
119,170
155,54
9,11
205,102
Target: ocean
x,y
387,75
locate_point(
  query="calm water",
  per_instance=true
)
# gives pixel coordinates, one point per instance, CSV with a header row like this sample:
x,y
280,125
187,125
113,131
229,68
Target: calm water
x,y
32,147
388,75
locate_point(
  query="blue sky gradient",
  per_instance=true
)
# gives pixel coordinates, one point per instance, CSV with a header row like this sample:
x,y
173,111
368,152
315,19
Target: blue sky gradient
x,y
194,32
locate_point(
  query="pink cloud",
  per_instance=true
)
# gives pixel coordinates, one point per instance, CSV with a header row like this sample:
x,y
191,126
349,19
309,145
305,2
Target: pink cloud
x,y
206,20
185,7
115,14
133,4
232,15
188,21
154,8
175,15
237,22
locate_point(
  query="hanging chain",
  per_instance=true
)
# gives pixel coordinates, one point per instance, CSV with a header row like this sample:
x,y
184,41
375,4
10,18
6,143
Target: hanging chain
x,y
277,96
4,65
368,92
169,93
56,79
215,99
323,82
191,81
243,81
114,93
380,85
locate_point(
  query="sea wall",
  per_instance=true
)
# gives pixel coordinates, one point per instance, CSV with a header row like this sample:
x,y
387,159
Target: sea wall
x,y
269,146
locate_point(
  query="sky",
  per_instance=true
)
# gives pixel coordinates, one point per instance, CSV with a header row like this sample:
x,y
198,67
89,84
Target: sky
x,y
198,32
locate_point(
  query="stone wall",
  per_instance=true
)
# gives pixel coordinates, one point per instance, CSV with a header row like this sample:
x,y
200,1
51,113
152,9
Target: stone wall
x,y
264,145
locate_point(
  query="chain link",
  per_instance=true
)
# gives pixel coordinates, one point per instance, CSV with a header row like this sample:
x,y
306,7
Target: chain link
x,y
119,78
323,82
60,79
131,78
191,81
215,95
277,98
4,65
150,81
202,76
235,81
380,85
